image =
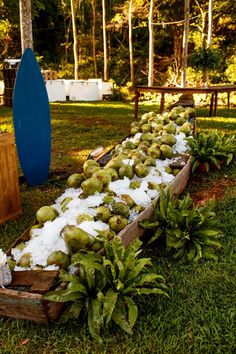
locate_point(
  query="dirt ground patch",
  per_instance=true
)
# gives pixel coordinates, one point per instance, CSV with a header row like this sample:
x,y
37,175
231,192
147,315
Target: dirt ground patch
x,y
216,189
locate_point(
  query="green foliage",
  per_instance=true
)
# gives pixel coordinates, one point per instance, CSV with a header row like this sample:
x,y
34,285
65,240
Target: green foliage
x,y
189,231
105,286
122,93
66,71
205,58
211,149
230,72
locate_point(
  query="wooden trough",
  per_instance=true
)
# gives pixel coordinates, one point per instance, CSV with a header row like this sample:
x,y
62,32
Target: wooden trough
x,y
23,298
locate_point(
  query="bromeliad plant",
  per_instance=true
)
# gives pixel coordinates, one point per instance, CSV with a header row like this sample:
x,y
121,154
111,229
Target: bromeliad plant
x,y
189,231
210,150
106,285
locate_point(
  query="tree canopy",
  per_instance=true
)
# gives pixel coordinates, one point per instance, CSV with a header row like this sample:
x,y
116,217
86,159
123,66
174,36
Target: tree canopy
x,y
125,20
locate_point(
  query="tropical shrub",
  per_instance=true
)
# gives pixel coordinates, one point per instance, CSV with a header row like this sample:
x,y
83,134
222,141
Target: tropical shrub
x,y
105,286
211,150
205,58
189,231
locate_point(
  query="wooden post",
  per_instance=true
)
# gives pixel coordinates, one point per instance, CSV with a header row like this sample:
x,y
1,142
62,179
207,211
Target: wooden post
x,y
137,94
162,102
228,99
10,205
211,105
215,105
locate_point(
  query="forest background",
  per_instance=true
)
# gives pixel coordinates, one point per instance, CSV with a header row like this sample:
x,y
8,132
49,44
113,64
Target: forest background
x,y
127,28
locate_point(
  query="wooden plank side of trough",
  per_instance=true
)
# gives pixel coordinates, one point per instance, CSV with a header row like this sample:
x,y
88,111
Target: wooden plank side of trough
x,y
22,305
134,230
179,184
39,281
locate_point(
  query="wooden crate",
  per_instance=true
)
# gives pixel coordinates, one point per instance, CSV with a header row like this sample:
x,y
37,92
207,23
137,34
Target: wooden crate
x,y
23,298
10,205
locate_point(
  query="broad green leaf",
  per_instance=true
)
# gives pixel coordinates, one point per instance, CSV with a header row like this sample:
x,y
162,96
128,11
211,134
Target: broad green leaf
x,y
119,285
66,315
148,224
132,311
180,253
195,165
63,296
172,241
75,286
68,277
95,319
229,159
119,316
192,252
213,243
76,308
118,248
147,278
147,291
138,267
86,255
208,254
121,269
90,276
199,251
163,205
207,232
156,235
110,268
109,305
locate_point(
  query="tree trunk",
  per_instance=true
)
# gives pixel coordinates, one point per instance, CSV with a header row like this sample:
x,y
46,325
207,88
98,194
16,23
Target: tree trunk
x,y
209,32
151,45
185,43
131,48
25,25
209,35
94,38
104,39
75,40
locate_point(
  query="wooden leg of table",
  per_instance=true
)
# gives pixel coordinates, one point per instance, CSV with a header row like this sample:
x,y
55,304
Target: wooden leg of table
x,y
215,105
137,94
211,105
228,100
162,102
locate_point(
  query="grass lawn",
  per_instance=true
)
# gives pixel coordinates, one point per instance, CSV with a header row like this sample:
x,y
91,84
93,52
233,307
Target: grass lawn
x,y
200,315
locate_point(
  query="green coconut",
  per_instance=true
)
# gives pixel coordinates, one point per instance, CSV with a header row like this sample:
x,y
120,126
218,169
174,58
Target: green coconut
x,y
91,186
46,213
75,180
121,208
75,238
59,259
103,213
117,223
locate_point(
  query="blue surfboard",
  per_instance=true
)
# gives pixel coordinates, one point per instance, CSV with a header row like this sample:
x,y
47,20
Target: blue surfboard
x,y
32,123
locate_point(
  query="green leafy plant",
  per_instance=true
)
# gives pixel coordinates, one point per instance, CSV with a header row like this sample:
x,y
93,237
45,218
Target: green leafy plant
x,y
205,58
105,286
189,231
211,150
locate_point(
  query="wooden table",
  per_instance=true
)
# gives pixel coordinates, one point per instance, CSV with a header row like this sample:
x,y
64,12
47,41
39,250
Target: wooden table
x,y
213,90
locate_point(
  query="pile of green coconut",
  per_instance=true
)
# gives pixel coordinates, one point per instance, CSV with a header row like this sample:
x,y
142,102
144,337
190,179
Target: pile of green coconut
x,y
102,201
